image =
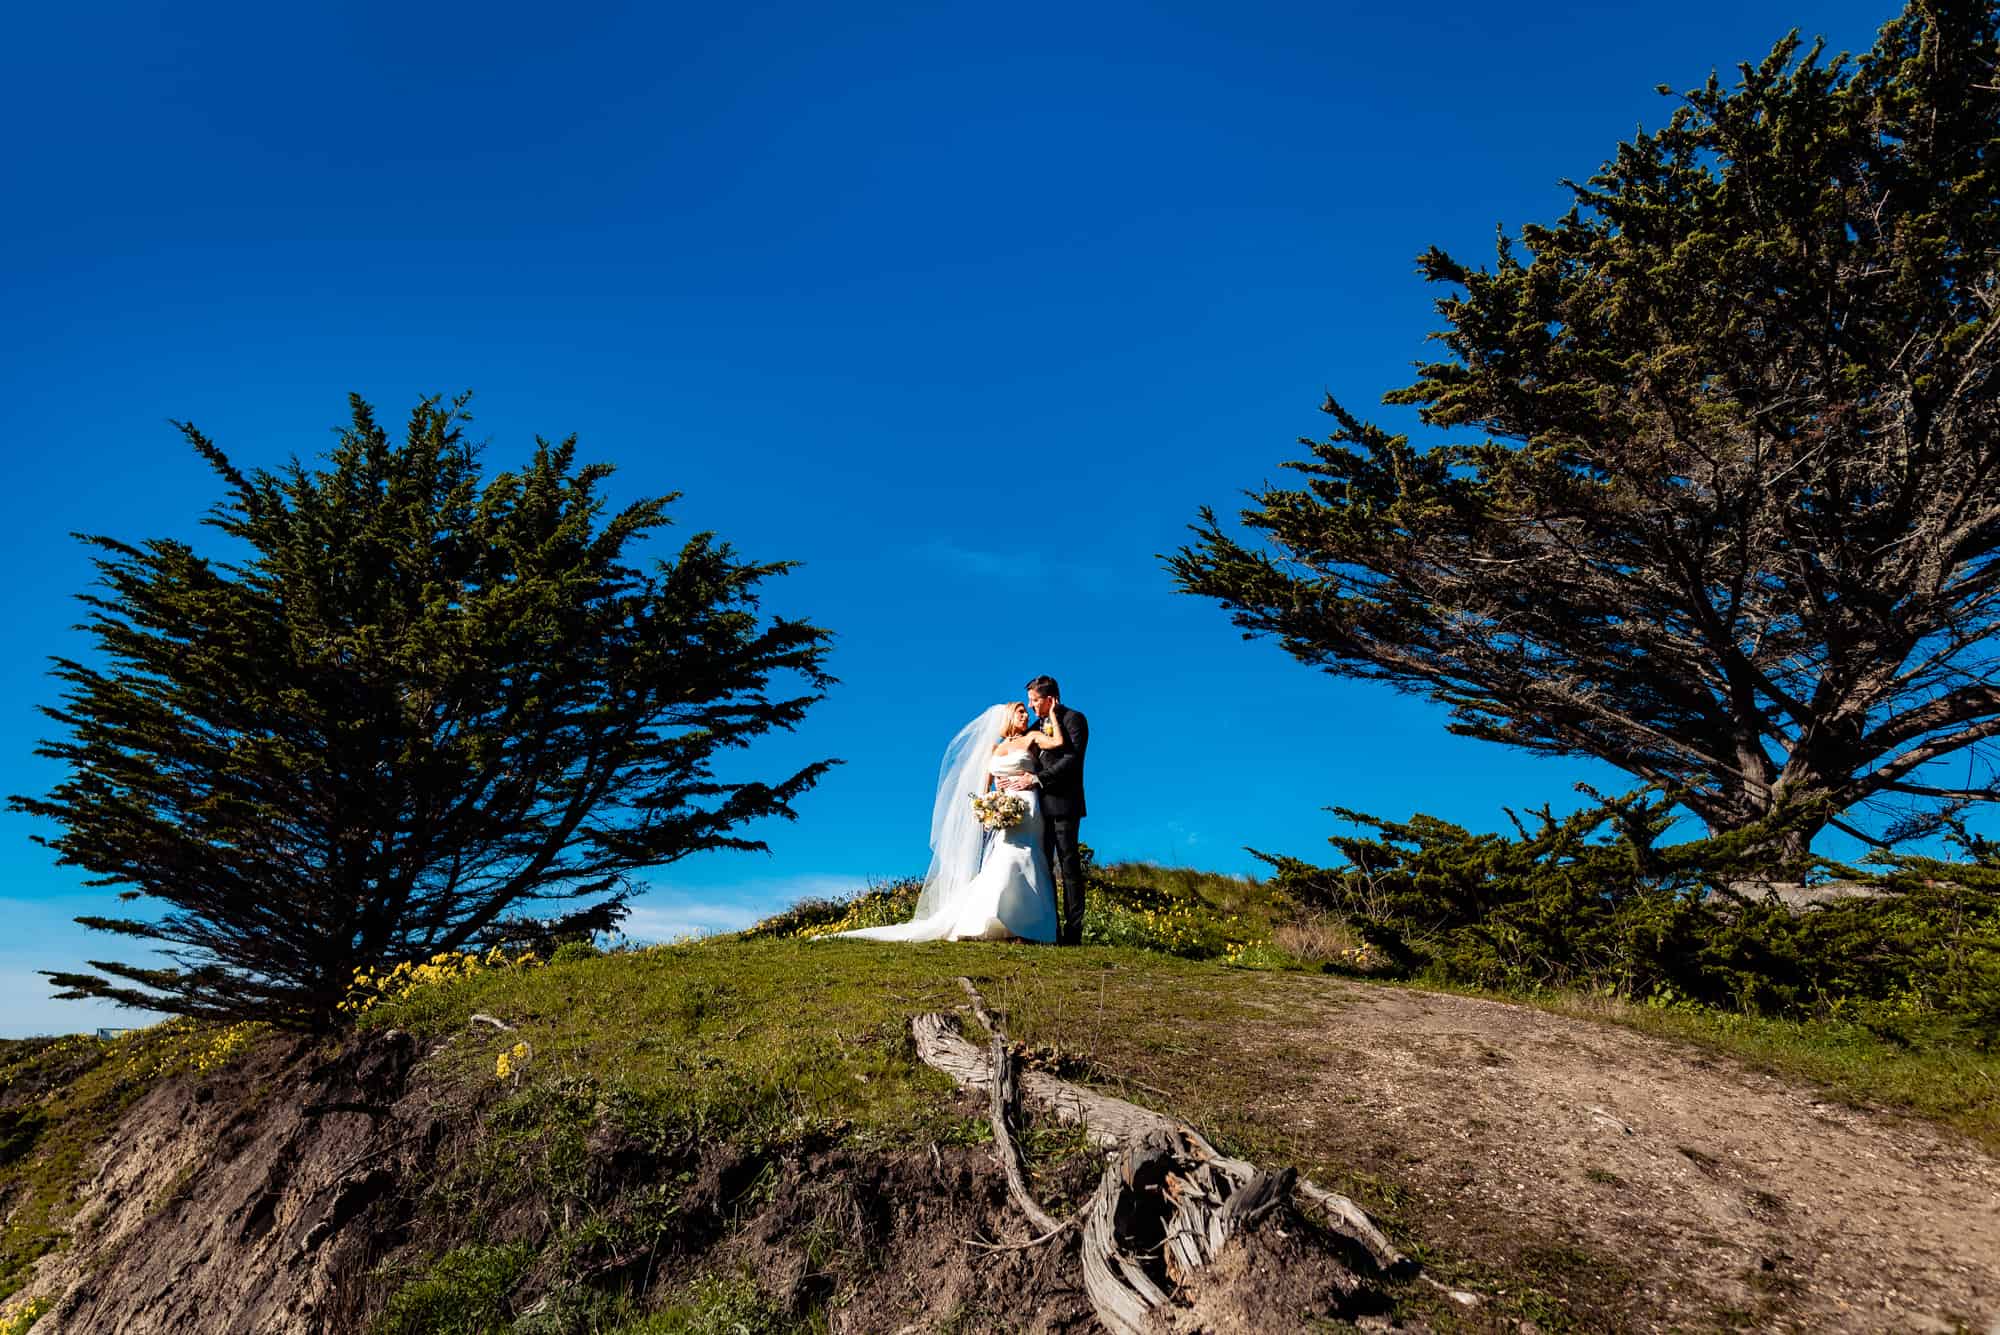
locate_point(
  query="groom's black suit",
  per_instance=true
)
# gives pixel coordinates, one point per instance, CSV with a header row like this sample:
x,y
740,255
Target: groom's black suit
x,y
1059,773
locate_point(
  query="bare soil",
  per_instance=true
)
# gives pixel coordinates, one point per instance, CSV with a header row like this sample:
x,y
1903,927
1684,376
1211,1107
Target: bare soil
x,y
905,1224
251,1202
1653,1186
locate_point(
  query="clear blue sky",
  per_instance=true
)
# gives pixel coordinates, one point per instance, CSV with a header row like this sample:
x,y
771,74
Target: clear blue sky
x,y
847,276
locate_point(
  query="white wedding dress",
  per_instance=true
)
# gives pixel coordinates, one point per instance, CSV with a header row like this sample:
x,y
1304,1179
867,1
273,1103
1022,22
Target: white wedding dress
x,y
1010,895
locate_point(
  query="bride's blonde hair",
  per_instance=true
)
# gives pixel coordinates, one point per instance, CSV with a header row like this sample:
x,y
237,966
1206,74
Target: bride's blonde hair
x,y
1017,721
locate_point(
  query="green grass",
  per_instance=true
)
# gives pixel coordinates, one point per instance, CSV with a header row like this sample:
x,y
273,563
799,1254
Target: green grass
x,y
755,1040
464,1293
755,1049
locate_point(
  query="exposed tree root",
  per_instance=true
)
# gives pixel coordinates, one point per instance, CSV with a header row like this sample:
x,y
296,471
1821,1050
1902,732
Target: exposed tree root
x,y
1175,1236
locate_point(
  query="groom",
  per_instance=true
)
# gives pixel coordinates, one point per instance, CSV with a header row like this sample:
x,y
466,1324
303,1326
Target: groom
x,y
1059,774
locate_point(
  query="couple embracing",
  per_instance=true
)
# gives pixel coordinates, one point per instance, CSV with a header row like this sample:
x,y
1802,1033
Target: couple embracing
x,y
994,861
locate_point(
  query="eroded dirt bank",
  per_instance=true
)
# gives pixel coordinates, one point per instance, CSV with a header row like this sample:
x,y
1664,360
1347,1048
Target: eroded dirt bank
x,y
286,1197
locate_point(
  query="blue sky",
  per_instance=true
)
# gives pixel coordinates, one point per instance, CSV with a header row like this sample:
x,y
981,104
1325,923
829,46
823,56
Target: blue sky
x,y
966,308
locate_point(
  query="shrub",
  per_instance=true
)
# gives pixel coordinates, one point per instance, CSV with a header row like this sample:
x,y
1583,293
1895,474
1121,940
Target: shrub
x,y
714,1306
22,1319
1591,903
876,906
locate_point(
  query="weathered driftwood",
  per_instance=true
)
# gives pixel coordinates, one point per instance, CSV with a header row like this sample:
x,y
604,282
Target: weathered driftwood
x,y
1001,1095
1111,1122
1162,1198
1120,1291
1166,1193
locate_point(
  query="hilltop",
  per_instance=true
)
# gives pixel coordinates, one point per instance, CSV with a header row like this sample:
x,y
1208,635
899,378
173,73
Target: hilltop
x,y
736,1134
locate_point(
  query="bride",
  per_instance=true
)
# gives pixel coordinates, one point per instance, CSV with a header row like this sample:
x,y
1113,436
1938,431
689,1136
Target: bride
x,y
980,888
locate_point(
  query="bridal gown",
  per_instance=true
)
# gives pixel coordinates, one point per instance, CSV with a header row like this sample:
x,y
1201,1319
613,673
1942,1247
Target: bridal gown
x,y
1013,894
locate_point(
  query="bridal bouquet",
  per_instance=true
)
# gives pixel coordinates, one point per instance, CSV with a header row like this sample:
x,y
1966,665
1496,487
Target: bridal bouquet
x,y
999,811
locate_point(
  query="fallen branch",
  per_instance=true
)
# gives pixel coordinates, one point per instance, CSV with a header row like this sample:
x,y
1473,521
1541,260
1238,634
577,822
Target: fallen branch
x,y
986,1019
999,1110
1166,1194
1000,1103
1060,1229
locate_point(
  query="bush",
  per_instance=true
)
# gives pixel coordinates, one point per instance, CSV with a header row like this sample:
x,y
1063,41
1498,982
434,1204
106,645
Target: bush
x,y
569,952
1591,903
876,906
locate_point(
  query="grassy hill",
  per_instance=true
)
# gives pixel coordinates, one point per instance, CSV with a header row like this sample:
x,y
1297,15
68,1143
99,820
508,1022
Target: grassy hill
x,y
734,1134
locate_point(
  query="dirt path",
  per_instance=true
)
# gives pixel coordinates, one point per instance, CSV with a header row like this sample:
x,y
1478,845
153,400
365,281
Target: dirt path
x,y
1721,1196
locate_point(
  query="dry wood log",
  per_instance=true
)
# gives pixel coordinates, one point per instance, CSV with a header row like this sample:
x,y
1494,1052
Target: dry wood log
x,y
1000,1111
1167,1193
1111,1122
1121,1306
979,1005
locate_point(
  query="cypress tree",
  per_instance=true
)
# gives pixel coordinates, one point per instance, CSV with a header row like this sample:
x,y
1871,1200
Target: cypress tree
x,y
405,701
1729,515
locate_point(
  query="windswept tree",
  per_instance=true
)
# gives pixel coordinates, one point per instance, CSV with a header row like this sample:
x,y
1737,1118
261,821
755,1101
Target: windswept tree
x,y
1730,518
406,701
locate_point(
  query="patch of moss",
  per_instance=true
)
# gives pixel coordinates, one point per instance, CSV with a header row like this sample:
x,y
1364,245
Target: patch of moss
x,y
465,1292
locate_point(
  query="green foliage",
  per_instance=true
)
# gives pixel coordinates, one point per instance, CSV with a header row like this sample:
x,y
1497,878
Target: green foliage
x,y
716,1306
21,1322
569,952
19,1128
1940,935
465,1292
1187,929
403,700
1176,911
1590,903
877,906
1725,518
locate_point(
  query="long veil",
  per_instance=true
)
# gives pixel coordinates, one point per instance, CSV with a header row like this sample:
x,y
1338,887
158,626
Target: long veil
x,y
957,839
